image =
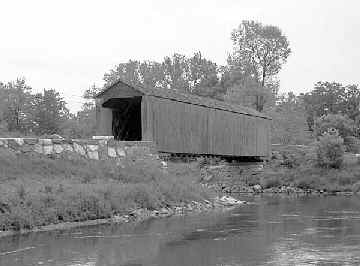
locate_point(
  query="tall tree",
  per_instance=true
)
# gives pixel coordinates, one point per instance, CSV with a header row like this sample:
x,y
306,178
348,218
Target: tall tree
x,y
194,74
128,71
203,77
176,71
49,112
259,51
17,105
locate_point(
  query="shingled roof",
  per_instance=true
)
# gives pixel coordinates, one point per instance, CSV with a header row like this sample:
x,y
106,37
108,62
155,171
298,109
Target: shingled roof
x,y
188,98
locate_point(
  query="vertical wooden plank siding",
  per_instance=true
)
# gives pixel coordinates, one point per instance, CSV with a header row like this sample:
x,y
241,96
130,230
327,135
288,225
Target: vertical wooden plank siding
x,y
103,120
145,120
179,127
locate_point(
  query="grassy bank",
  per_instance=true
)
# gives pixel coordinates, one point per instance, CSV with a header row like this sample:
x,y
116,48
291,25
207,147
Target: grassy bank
x,y
294,172
38,191
311,178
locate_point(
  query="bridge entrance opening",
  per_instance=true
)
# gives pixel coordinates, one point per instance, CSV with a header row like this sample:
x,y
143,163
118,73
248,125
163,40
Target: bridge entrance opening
x,y
126,118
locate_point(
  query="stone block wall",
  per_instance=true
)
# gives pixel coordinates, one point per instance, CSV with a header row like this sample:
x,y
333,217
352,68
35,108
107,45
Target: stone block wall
x,y
94,149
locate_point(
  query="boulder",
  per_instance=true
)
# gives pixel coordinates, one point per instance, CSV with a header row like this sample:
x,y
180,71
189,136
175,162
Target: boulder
x,y
257,188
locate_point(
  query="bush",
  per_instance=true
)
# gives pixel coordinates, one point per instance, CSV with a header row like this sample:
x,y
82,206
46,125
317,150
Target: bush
x,y
330,151
344,125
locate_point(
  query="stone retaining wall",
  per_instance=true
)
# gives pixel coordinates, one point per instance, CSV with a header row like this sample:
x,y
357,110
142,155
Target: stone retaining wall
x,y
95,149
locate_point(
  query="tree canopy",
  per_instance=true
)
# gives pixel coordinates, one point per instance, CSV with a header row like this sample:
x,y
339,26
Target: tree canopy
x,y
24,112
259,51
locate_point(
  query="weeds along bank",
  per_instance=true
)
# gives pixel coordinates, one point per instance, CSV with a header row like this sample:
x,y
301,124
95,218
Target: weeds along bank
x,y
325,169
37,189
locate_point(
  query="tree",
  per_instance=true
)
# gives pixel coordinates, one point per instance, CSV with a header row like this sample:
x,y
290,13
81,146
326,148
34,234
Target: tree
x,y
83,124
49,112
194,74
332,98
203,77
16,105
289,121
343,124
259,51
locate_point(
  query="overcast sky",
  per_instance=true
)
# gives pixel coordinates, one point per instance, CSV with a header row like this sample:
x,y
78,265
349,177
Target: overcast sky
x,y
69,45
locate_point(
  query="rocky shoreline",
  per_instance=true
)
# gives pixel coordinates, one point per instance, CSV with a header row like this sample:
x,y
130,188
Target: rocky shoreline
x,y
223,203
257,189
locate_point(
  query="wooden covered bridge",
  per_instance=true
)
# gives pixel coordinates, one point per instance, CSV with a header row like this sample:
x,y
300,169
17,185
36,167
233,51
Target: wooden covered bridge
x,y
181,123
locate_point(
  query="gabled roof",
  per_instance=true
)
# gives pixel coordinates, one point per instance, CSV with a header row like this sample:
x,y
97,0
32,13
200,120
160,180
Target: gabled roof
x,y
188,98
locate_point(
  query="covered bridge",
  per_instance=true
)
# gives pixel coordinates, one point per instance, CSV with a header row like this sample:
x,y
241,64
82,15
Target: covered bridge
x,y
181,123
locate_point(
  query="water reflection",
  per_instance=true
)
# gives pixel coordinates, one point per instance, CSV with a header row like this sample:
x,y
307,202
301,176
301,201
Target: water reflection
x,y
272,231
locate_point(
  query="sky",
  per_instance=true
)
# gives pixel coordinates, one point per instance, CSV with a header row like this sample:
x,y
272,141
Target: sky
x,y
69,45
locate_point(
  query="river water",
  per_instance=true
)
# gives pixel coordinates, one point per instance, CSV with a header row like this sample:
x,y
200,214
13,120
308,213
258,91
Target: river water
x,y
274,230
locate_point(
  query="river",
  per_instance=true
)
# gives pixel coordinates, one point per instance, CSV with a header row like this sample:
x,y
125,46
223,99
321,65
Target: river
x,y
272,230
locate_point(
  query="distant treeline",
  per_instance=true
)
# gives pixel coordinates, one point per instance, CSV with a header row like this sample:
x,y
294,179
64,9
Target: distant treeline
x,y
249,78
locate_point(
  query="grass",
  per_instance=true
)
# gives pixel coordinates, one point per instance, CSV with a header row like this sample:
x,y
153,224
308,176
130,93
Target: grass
x,y
37,191
306,175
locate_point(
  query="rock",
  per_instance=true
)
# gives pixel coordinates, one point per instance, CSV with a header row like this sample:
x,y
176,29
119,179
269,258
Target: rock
x,y
67,147
92,147
48,149
53,136
38,148
276,156
3,143
165,212
228,201
79,149
164,164
208,177
15,143
93,155
30,141
26,148
257,188
58,148
120,152
119,219
45,141
356,187
111,152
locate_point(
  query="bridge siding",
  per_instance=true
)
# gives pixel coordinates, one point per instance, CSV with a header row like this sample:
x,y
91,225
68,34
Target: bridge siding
x,y
179,127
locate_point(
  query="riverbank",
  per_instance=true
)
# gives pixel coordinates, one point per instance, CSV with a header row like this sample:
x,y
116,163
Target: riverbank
x,y
41,193
223,203
38,193
289,171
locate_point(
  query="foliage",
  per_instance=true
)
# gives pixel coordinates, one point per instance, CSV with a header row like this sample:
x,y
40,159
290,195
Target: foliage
x,y
259,51
289,122
16,105
22,112
49,112
194,74
332,98
330,151
343,125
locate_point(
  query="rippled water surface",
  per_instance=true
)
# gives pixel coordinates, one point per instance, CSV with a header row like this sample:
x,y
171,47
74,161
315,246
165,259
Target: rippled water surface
x,y
271,231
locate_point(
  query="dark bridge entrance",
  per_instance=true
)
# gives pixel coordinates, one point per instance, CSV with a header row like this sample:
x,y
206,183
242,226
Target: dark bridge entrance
x,y
126,118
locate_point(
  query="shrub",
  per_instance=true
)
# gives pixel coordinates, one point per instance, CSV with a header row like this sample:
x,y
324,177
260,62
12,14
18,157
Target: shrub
x,y
330,151
344,125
